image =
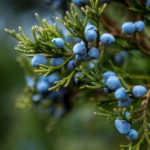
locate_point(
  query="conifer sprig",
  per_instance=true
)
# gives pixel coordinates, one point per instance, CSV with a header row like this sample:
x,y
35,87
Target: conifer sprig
x,y
93,79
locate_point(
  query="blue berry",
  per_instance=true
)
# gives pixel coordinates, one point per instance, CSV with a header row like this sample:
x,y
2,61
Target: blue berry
x,y
113,83
52,78
53,95
122,126
56,61
127,115
92,63
90,27
78,40
132,135
29,81
93,53
120,94
79,49
71,65
107,74
107,39
59,42
81,57
148,3
139,25
119,59
62,92
124,54
42,86
139,91
128,28
39,59
78,74
124,104
36,98
90,35
43,78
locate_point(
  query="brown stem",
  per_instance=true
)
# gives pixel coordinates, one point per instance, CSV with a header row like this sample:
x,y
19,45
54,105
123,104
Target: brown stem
x,y
146,100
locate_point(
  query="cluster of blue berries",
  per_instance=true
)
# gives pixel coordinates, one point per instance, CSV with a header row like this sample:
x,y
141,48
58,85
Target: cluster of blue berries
x,y
41,59
56,100
130,27
124,127
113,84
80,50
90,33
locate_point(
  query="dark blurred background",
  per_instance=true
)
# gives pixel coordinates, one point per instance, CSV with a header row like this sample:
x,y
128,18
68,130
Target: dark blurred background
x,y
26,130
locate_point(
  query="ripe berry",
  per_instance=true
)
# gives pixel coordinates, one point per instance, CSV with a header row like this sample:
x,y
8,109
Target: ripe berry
x,y
77,40
122,126
36,98
125,103
92,63
90,35
29,81
56,61
71,65
139,25
52,78
128,28
39,59
139,91
127,115
93,53
42,86
53,95
78,74
90,27
43,78
132,135
79,49
107,74
59,42
107,39
118,59
113,83
120,94
81,57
